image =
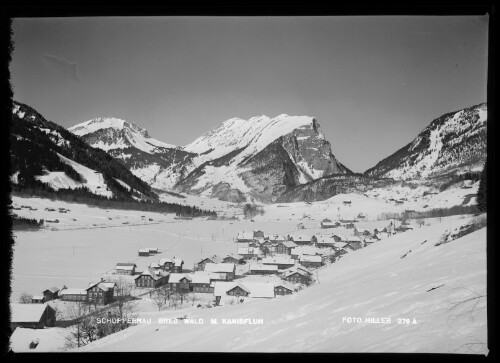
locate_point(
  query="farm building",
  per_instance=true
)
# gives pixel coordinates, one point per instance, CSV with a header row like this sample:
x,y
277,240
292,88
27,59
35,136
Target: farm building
x,y
327,223
34,316
51,294
285,247
276,238
267,245
144,252
213,276
201,283
73,294
324,241
38,299
349,226
280,262
125,268
152,250
101,292
245,237
355,242
171,264
179,282
238,290
229,269
256,269
369,241
310,261
151,278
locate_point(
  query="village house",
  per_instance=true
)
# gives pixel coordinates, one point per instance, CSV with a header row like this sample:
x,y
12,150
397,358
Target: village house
x,y
201,264
280,262
242,289
232,258
155,266
51,294
179,282
306,250
78,295
213,276
327,223
266,244
38,299
125,268
33,316
282,288
347,202
369,241
151,278
144,252
301,239
101,292
349,226
324,241
276,238
285,247
200,283
171,264
257,269
229,269
153,251
310,261
355,242
297,277
245,237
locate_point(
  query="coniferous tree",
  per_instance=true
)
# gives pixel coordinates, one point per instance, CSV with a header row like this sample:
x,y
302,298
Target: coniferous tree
x,y
481,192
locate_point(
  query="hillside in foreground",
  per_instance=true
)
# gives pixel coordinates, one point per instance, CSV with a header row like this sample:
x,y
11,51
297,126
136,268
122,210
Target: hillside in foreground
x,y
439,292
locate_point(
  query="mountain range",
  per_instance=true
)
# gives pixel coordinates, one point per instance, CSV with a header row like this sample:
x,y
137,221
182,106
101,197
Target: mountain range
x,y
262,159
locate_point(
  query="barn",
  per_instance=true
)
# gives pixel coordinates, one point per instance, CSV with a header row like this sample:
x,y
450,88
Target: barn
x,y
34,316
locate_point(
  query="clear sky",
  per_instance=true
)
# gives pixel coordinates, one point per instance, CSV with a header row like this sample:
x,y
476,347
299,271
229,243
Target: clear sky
x,y
373,83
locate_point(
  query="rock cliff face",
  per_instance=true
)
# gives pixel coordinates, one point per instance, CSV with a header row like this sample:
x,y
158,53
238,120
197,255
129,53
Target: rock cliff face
x,y
242,160
454,143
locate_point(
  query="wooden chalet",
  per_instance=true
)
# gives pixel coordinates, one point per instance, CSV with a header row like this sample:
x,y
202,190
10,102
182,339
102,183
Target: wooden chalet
x,y
276,238
349,226
171,264
201,283
285,247
301,240
324,241
248,253
282,289
179,282
355,242
237,291
296,277
153,251
101,293
51,294
125,268
200,265
151,278
33,316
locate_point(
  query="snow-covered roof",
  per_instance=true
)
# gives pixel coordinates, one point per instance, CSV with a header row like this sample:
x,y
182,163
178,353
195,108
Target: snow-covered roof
x,y
219,267
306,250
72,292
325,239
165,260
103,285
38,297
52,289
144,250
27,312
255,289
289,244
277,237
235,256
256,267
200,279
308,258
177,277
300,237
125,267
278,261
178,262
248,251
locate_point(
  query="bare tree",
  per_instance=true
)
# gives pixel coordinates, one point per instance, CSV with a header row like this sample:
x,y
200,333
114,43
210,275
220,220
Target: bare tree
x,y
161,297
192,297
25,298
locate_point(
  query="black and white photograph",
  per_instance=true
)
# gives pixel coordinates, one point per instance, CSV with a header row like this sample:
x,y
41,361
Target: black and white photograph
x,y
249,183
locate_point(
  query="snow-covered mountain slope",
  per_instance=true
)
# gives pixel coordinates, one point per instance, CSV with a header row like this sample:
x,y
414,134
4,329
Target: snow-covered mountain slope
x,y
42,151
454,143
240,160
435,298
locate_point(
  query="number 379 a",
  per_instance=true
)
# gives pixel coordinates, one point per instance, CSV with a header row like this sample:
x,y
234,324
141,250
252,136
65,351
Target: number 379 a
x,y
405,321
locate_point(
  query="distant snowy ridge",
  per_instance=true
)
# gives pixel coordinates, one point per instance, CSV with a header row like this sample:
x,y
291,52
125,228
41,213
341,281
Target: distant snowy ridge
x,y
452,144
232,162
